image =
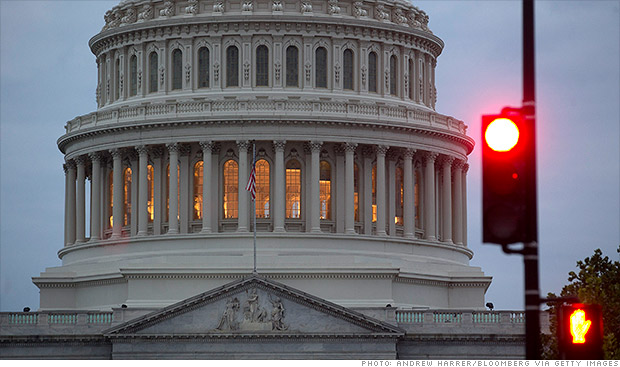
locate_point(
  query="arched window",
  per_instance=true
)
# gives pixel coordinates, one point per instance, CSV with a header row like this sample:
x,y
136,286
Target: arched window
x,y
232,66
198,177
400,187
347,68
411,76
262,66
372,72
168,192
293,189
133,75
203,67
325,185
320,67
292,66
231,193
153,72
117,80
262,189
111,199
374,192
393,75
127,196
151,192
356,193
177,69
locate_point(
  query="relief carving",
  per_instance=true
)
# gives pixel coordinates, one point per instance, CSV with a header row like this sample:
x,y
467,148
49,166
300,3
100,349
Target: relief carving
x,y
358,10
255,316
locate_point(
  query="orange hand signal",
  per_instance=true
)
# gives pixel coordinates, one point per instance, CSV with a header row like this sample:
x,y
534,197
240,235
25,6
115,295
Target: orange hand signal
x,y
579,326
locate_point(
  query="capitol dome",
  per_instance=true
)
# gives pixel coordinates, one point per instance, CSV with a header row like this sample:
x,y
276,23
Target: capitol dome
x,y
360,183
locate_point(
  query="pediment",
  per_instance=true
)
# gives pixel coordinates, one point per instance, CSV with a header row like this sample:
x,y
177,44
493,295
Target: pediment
x,y
255,306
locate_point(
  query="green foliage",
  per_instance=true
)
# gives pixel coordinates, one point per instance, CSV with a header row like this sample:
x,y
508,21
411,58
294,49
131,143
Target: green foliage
x,y
596,282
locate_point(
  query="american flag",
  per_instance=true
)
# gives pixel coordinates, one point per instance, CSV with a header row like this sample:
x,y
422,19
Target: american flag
x,y
251,186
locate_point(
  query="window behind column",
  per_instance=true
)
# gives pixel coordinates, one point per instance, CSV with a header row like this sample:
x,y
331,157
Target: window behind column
x,y
127,196
320,65
177,69
372,72
133,75
262,66
231,193
232,66
151,192
325,185
292,66
153,72
347,68
293,189
198,195
110,221
356,193
168,192
400,187
203,67
262,189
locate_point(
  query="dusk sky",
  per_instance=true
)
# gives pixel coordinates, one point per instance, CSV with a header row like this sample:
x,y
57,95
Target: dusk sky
x,y
48,76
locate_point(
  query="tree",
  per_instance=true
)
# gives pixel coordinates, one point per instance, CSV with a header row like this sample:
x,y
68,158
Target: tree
x,y
596,282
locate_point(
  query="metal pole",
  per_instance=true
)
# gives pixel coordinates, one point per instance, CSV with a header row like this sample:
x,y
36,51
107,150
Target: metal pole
x,y
254,205
530,249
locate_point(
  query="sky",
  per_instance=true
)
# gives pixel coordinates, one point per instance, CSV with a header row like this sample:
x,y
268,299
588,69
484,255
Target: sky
x,y
48,77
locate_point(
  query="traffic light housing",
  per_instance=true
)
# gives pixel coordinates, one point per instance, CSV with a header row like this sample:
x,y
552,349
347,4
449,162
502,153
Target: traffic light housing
x,y
508,178
580,332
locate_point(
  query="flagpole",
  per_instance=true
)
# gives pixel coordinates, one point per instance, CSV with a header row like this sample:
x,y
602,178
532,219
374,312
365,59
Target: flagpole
x,y
255,272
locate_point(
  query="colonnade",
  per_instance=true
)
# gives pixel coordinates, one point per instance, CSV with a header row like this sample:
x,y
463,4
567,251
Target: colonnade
x,y
430,202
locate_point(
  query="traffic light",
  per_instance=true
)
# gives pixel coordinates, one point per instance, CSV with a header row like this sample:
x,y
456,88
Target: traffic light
x,y
508,178
580,332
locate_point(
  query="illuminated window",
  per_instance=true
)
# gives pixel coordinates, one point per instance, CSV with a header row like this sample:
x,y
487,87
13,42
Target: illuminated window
x,y
262,189
393,75
325,185
168,192
231,193
232,67
372,72
320,64
374,192
127,196
203,67
111,198
262,66
347,68
153,72
177,69
356,193
398,219
133,75
151,192
198,177
293,189
292,66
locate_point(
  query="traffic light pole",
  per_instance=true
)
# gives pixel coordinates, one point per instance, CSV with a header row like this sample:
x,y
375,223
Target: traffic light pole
x,y
530,249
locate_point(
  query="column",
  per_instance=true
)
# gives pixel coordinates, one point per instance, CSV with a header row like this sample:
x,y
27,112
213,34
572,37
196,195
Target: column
x,y
95,190
392,187
408,199
157,154
457,200
185,172
314,197
117,194
349,222
207,148
381,188
243,208
173,189
80,211
133,221
70,203
143,190
338,190
368,154
429,197
279,187
447,198
464,197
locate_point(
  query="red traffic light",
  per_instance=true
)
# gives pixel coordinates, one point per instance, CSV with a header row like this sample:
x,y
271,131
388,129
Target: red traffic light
x,y
580,332
501,134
